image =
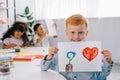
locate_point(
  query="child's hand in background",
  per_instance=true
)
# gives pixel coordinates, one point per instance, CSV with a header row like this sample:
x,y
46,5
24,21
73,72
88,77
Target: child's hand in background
x,y
13,45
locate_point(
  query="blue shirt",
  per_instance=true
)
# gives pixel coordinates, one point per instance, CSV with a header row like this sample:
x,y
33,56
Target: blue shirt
x,y
53,64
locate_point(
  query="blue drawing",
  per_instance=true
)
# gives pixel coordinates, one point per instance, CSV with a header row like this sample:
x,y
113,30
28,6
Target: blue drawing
x,y
70,55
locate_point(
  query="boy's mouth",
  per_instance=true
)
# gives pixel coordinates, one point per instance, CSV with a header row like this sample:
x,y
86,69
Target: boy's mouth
x,y
76,40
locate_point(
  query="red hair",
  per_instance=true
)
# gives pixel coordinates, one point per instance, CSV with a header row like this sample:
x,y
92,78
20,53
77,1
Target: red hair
x,y
76,19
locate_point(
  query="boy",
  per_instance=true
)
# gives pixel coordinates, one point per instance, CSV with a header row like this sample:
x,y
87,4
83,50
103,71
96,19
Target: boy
x,y
77,30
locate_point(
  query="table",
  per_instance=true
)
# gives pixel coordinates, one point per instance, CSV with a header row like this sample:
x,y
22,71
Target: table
x,y
31,71
38,50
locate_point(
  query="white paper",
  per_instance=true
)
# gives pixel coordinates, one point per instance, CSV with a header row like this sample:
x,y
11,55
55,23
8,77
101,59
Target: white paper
x,y
79,62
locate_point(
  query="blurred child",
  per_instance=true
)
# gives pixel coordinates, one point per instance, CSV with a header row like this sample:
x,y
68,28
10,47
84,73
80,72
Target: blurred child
x,y
41,37
15,36
76,31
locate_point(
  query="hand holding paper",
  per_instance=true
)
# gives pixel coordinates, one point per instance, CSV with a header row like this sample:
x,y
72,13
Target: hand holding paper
x,y
52,51
107,55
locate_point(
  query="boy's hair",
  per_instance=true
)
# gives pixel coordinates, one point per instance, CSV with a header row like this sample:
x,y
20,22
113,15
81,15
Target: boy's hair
x,y
17,26
36,26
76,19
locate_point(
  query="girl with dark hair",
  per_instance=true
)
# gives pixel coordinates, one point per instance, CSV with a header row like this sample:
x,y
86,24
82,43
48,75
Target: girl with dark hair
x,y
15,36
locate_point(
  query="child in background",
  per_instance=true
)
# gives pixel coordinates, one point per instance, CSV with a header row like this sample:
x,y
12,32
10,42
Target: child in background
x,y
76,31
41,37
15,36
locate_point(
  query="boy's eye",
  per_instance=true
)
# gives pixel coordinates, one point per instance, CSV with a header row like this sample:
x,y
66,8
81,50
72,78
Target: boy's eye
x,y
72,32
81,32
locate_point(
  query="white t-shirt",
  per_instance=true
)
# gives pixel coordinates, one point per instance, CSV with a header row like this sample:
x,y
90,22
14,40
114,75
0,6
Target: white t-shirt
x,y
43,43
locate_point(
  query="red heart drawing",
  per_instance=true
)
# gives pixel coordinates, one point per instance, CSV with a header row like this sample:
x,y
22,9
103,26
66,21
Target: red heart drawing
x,y
90,54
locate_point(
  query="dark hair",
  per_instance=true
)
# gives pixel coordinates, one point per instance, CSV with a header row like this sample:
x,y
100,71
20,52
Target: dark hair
x,y
17,26
36,26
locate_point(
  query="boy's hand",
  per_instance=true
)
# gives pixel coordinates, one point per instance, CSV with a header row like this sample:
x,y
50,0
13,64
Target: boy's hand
x,y
107,55
52,51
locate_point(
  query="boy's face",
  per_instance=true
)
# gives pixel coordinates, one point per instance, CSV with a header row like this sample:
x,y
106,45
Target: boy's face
x,y
18,34
40,30
76,33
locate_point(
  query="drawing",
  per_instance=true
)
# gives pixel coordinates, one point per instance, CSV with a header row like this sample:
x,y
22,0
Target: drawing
x,y
80,56
89,53
70,55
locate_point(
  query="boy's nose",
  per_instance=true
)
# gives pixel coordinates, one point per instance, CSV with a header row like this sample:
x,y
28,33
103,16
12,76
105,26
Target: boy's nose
x,y
76,37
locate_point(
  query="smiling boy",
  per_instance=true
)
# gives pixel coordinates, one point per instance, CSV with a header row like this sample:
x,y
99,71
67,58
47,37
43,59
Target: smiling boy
x,y
76,31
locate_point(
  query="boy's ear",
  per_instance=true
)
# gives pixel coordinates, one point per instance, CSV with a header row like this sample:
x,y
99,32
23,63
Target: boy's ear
x,y
66,32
